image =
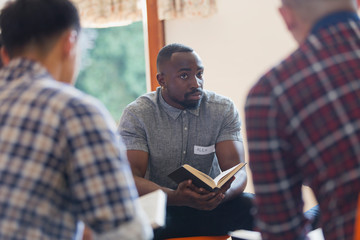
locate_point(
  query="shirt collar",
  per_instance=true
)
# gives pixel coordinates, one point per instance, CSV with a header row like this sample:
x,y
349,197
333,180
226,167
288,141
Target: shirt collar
x,y
334,18
175,112
21,66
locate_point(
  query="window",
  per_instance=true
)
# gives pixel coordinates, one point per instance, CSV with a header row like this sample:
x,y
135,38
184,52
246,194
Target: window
x,y
113,65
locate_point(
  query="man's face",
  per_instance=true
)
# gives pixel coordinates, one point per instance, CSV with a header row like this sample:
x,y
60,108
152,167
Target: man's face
x,y
182,80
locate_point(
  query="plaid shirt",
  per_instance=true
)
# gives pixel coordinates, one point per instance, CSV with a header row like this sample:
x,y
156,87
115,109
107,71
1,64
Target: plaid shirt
x,y
303,127
61,161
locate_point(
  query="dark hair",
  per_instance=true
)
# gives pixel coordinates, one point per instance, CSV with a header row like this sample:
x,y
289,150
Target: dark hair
x,y
1,44
25,21
166,52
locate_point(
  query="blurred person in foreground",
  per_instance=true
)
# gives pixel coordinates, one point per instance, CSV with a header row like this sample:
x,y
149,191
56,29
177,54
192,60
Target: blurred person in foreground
x,y
61,160
303,124
1,45
182,123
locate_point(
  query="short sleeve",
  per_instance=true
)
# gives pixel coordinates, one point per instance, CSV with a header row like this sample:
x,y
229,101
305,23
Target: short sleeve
x,y
231,125
132,131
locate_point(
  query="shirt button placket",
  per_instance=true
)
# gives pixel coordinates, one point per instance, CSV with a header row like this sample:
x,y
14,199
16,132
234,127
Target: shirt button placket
x,y
185,135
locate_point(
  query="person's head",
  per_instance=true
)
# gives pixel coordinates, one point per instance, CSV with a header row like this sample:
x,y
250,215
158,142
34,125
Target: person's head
x,y
1,49
42,30
180,75
301,15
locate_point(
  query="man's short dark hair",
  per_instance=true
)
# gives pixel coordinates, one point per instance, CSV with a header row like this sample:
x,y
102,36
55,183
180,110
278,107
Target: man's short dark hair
x,y
166,52
35,21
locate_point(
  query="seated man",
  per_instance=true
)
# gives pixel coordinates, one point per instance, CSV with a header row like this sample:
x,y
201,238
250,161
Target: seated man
x,y
182,123
61,159
303,124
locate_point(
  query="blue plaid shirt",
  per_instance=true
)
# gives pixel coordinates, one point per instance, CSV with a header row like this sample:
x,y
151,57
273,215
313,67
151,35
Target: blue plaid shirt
x,y
61,161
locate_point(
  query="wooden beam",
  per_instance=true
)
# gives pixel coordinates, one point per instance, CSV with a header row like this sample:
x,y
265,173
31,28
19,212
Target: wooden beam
x,y
156,39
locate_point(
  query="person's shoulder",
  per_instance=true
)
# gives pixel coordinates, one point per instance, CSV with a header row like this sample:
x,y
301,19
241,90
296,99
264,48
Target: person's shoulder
x,y
66,98
217,103
143,104
213,98
273,80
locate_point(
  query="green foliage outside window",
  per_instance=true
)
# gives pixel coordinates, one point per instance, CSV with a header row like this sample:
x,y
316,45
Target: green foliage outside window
x,y
113,66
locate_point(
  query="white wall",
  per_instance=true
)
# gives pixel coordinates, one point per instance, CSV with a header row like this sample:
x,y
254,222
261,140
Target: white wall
x,y
237,45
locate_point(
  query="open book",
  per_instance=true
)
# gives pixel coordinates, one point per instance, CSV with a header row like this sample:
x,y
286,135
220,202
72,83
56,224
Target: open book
x,y
200,179
154,205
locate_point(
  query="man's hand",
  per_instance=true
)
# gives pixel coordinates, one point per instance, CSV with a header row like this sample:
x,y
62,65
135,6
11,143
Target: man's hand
x,y
191,196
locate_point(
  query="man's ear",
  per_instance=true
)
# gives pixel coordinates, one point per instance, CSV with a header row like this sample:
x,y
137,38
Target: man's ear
x,y
160,78
69,43
4,56
288,17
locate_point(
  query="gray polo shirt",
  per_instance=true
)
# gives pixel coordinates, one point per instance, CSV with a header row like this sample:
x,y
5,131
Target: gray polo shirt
x,y
173,137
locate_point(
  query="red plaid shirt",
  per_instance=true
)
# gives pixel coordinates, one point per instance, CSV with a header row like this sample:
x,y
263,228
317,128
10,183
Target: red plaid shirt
x,y
303,127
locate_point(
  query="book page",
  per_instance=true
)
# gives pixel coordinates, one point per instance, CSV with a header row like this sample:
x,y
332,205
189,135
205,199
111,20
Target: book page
x,y
154,205
204,177
223,174
226,175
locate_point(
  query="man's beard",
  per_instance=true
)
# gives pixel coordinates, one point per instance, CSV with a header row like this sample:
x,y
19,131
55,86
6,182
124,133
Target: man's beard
x,y
192,104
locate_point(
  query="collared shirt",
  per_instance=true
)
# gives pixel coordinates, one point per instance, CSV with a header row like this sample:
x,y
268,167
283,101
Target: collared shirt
x,y
303,127
173,137
61,161
334,19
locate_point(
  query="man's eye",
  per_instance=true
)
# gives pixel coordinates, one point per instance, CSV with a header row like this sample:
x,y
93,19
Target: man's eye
x,y
184,76
200,74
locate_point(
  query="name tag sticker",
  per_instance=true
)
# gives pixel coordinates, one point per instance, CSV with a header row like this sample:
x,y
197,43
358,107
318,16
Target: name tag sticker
x,y
199,150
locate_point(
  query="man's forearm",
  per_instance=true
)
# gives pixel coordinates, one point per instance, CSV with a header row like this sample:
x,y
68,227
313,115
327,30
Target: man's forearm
x,y
145,186
183,197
